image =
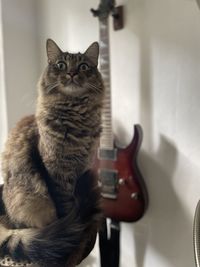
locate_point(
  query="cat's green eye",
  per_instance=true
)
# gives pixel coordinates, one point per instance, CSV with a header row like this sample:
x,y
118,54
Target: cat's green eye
x,y
61,65
83,67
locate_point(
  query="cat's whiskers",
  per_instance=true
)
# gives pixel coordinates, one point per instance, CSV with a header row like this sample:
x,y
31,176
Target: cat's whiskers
x,y
51,86
94,87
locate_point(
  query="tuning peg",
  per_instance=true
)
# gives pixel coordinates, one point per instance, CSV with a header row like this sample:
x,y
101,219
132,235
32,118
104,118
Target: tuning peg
x,y
95,12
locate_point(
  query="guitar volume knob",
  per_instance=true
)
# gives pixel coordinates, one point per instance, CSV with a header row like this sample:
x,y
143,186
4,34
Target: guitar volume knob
x,y
135,196
121,181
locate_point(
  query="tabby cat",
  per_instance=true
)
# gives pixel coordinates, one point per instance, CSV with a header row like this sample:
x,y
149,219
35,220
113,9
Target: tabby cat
x,y
51,197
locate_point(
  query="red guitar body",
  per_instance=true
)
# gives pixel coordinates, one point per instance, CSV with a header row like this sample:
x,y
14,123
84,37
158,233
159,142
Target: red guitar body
x,y
130,200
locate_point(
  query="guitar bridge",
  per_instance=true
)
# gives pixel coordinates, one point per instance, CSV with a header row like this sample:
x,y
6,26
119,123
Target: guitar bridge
x,y
109,181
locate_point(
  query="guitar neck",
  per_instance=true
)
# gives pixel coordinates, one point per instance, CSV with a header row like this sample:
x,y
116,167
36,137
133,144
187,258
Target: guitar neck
x,y
106,140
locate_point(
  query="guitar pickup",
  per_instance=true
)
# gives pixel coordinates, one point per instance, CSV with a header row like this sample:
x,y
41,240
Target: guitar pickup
x,y
107,154
109,182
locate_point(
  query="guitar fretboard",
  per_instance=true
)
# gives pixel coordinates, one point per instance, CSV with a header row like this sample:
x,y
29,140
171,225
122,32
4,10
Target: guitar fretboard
x,y
106,140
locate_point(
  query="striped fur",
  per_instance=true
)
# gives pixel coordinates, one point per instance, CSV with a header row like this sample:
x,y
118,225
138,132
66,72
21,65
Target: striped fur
x,y
50,197
67,236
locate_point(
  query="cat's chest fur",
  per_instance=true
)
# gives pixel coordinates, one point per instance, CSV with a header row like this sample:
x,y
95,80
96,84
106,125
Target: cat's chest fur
x,y
68,135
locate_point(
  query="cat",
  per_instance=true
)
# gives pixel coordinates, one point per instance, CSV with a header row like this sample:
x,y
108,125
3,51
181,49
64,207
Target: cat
x,y
51,198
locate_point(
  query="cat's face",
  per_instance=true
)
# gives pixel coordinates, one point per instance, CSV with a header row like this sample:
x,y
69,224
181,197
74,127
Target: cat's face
x,y
71,73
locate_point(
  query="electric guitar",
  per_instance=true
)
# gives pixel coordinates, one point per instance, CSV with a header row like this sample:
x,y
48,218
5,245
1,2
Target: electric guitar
x,y
122,185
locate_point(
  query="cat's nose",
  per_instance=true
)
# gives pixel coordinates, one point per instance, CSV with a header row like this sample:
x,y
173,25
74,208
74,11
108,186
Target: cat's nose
x,y
72,73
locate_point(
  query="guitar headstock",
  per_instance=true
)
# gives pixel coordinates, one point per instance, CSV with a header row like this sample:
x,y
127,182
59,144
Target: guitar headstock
x,y
104,9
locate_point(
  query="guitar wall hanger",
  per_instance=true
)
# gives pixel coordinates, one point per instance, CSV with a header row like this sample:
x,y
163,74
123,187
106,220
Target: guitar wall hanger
x,y
116,12
118,17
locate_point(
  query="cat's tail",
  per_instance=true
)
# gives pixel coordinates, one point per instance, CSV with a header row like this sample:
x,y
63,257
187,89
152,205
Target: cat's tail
x,y
56,242
53,243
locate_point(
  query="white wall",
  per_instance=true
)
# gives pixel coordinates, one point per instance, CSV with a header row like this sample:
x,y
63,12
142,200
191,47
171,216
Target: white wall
x,y
3,109
3,114
20,56
155,78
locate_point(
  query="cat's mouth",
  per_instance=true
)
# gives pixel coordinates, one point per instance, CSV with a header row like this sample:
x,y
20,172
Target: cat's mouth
x,y
72,81
71,86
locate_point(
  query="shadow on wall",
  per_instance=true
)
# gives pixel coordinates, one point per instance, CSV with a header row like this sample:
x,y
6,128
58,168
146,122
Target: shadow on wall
x,y
168,231
92,260
169,228
166,228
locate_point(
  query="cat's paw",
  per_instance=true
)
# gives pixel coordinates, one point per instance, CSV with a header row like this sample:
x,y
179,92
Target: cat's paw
x,y
33,211
4,234
40,213
8,262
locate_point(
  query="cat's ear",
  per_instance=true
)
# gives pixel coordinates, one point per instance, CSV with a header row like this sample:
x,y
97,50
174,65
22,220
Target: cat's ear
x,y
93,53
53,51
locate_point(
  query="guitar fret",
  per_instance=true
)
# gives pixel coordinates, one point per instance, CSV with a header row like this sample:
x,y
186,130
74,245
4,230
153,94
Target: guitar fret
x,y
104,53
105,122
108,134
107,97
106,110
105,72
107,113
103,62
107,101
106,79
106,140
107,86
104,68
107,129
107,137
107,107
108,121
108,118
107,92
